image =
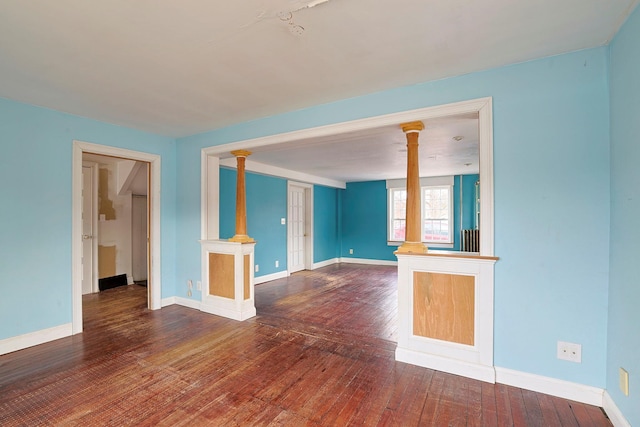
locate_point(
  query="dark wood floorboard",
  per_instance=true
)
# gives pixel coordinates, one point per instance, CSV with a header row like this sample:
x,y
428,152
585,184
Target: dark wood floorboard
x,y
320,352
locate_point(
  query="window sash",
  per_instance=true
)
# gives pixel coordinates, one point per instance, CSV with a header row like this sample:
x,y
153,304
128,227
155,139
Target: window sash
x,y
436,214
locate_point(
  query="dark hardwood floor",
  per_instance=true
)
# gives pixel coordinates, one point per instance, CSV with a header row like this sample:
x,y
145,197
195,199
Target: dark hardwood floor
x,y
319,353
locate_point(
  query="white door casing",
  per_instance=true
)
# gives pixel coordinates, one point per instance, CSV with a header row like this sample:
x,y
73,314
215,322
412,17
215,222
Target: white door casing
x,y
89,228
139,238
154,289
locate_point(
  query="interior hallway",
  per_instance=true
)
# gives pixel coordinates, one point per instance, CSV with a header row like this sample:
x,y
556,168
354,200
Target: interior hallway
x,y
320,352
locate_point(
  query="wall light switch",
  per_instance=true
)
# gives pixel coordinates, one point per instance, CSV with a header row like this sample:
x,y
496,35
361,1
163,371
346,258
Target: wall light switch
x,y
257,268
283,221
277,263
199,285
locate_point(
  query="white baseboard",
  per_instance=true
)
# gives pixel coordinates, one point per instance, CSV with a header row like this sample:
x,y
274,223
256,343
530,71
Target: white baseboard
x,y
167,301
229,313
547,385
188,302
613,412
12,344
270,277
446,364
367,261
185,302
325,263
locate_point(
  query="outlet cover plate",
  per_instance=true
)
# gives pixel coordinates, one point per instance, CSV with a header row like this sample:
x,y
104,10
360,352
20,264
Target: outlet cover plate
x,y
570,351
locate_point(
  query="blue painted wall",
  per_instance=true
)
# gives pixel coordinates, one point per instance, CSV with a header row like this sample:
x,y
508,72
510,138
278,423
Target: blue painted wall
x,y
551,157
266,205
364,221
326,237
624,290
35,210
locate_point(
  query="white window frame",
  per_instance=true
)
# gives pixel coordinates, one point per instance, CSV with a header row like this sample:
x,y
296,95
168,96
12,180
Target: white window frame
x,y
430,182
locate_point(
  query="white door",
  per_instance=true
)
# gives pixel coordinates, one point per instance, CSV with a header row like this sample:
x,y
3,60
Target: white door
x,y
296,230
87,230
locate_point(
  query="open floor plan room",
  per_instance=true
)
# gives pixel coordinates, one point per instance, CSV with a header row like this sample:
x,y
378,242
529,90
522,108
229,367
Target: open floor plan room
x,y
320,352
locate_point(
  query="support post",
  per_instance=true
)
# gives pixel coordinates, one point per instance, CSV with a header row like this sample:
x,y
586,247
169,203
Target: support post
x,y
412,240
241,200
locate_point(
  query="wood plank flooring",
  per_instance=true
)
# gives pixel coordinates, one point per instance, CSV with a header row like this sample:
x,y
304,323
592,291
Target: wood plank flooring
x,y
319,353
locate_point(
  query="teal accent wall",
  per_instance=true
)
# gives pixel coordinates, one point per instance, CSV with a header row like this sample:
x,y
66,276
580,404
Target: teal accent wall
x,y
463,199
326,237
364,221
266,205
551,173
365,218
623,347
35,210
228,202
468,200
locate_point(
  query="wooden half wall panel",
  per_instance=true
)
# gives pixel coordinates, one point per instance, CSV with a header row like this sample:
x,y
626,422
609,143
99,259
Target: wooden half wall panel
x,y
444,306
221,275
247,277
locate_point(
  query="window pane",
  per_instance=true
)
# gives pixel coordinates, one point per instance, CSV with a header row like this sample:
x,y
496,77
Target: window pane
x,y
436,214
398,231
399,204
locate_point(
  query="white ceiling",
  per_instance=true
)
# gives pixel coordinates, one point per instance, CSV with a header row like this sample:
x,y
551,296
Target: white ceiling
x,y
448,146
179,68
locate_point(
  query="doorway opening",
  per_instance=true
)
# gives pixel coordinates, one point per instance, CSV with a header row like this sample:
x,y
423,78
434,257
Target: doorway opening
x,y
115,231
116,227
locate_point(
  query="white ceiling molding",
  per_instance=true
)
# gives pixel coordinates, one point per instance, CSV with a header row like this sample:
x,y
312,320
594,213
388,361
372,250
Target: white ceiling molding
x,y
261,168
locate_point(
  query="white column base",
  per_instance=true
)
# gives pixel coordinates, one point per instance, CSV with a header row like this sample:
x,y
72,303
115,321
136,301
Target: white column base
x,y
240,307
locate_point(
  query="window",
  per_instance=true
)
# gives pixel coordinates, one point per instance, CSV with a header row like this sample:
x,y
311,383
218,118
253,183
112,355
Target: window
x,y
436,213
436,203
398,214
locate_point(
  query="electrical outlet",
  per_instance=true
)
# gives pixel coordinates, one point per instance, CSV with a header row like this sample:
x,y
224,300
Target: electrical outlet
x,y
570,351
199,285
277,263
624,381
257,268
350,251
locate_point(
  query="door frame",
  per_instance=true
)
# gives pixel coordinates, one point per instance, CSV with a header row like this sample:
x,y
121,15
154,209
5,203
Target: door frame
x,y
308,224
94,222
154,287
